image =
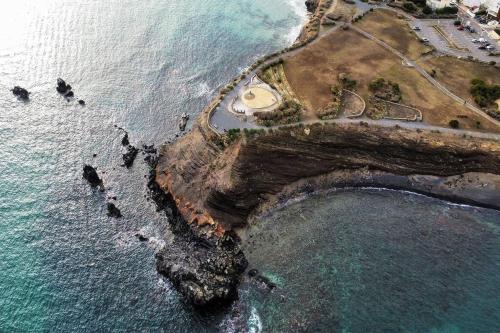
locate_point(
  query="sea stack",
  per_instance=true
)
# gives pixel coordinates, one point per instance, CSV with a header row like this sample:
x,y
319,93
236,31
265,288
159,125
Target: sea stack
x,y
21,93
113,211
90,174
62,87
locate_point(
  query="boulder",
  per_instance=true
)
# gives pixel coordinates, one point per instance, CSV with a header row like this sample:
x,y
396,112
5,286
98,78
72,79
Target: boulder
x,y
184,122
141,237
125,141
21,93
311,5
90,174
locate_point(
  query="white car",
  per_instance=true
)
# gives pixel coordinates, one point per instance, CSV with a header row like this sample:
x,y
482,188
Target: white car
x,y
425,40
490,47
416,28
475,40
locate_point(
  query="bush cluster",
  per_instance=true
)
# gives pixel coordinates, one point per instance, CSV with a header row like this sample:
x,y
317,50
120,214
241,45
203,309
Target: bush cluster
x,y
484,94
288,112
447,10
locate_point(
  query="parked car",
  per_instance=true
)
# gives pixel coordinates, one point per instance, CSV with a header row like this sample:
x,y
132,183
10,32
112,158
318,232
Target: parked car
x,y
416,28
425,40
490,47
475,40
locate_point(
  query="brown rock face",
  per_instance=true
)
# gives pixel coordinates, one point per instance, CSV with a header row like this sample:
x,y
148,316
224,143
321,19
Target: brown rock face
x,y
218,189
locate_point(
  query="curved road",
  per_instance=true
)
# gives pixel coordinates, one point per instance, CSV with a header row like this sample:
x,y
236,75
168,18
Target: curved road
x,y
426,75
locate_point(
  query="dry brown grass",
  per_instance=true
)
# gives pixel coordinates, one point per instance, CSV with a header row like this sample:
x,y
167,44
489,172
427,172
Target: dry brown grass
x,y
456,74
314,70
396,32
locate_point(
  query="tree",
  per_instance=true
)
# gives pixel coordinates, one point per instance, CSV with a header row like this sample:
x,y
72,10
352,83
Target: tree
x,y
409,6
454,123
427,10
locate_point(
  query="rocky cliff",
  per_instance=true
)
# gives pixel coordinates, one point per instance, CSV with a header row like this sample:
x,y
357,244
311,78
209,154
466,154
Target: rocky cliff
x,y
217,189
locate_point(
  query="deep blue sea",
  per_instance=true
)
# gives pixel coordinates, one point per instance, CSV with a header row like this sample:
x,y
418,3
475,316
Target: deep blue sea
x,y
390,262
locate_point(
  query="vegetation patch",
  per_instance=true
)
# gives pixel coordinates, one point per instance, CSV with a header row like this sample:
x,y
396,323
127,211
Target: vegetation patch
x,y
485,94
288,113
333,109
386,90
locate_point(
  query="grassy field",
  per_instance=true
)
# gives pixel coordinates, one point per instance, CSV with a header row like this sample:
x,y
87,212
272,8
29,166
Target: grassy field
x,y
456,74
386,26
314,70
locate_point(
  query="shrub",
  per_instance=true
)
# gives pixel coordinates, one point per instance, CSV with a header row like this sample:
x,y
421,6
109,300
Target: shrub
x,y
419,3
484,94
447,10
409,7
454,123
233,134
427,10
457,22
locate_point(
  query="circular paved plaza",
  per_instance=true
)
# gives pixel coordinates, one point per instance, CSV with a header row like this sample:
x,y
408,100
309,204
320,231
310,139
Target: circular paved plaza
x,y
259,98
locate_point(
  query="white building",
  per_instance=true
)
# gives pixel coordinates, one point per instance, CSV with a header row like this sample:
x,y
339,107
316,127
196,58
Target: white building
x,y
491,6
438,4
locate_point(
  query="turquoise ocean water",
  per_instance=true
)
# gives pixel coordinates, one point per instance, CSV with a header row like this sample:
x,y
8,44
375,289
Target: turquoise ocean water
x,y
66,267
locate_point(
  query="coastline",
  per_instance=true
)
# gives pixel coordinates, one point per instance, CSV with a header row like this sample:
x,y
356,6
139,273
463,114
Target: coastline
x,y
219,189
471,189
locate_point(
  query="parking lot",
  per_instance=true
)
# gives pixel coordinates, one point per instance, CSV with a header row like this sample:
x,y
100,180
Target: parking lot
x,y
446,38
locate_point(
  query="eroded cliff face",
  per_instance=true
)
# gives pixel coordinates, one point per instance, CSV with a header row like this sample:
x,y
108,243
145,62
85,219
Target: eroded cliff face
x,y
217,189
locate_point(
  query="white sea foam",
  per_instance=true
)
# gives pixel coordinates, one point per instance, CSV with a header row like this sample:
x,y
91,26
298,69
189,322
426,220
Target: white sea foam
x,y
300,11
254,322
203,89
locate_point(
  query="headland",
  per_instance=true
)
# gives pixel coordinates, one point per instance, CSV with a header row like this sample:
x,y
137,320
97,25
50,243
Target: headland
x,y
363,103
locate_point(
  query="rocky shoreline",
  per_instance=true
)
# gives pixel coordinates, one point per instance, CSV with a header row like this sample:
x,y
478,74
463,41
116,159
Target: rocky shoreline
x,y
212,193
219,190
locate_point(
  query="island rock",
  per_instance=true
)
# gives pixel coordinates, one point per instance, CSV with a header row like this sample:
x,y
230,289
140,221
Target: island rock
x,y
113,211
21,93
90,174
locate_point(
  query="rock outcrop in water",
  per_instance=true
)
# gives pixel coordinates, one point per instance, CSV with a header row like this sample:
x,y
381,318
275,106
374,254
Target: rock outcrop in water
x,y
62,87
113,211
21,93
90,174
129,156
205,271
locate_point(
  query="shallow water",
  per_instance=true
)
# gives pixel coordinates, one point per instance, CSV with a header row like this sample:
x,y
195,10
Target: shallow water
x,y
376,261
64,265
